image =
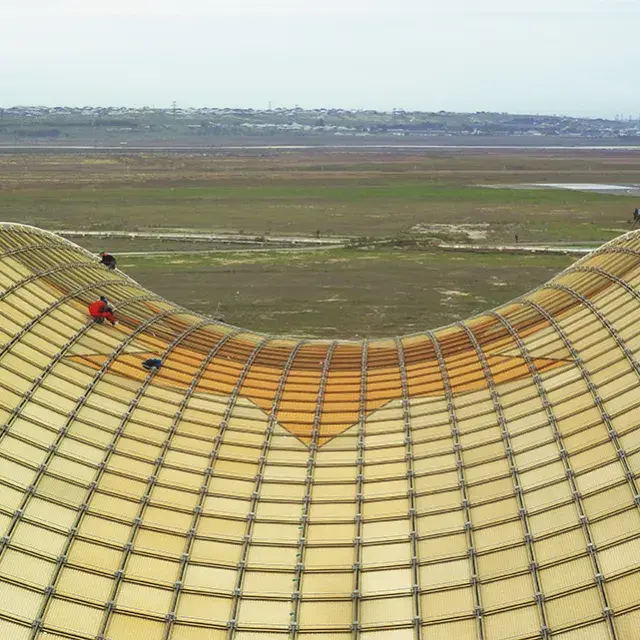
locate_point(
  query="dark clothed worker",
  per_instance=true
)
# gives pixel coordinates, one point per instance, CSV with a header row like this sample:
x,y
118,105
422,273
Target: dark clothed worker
x,y
152,364
101,310
108,260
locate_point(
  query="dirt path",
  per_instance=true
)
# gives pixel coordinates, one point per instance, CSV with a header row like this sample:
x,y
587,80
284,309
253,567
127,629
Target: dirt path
x,y
462,248
131,254
235,238
561,250
299,243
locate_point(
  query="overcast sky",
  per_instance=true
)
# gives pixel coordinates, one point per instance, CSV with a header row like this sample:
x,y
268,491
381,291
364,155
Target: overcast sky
x,y
577,57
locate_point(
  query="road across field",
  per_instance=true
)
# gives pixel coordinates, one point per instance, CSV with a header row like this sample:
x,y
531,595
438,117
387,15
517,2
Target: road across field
x,y
298,243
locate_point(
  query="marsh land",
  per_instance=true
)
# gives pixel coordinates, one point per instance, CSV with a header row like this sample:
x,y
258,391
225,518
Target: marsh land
x,y
388,207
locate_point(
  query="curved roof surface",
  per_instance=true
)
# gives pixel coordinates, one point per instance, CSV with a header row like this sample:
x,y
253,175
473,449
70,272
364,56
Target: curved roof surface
x,y
475,482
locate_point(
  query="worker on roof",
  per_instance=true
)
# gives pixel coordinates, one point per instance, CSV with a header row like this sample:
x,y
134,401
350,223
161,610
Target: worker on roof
x,y
101,309
108,260
152,364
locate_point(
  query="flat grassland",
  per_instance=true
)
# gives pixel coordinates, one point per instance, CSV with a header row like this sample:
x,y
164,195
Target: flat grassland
x,y
398,195
343,293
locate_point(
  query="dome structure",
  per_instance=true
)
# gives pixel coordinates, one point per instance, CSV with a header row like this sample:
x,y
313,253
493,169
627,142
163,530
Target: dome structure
x,y
475,482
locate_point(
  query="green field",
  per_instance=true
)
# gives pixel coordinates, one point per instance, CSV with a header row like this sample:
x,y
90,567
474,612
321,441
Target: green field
x,y
343,293
358,193
403,197
373,210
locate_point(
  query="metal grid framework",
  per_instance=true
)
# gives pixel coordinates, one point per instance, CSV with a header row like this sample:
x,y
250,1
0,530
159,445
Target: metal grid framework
x,y
478,481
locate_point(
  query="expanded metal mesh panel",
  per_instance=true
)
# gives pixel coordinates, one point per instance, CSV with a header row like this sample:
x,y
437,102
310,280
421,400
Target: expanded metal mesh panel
x,y
478,481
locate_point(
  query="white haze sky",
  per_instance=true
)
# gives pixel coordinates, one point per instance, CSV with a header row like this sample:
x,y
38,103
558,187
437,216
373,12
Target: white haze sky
x,y
576,57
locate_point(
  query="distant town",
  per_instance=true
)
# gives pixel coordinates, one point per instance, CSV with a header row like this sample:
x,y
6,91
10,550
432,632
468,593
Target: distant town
x,y
26,125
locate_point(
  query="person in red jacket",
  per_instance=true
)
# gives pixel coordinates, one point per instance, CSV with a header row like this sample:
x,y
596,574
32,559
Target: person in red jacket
x,y
100,309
